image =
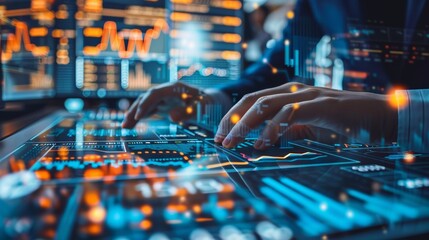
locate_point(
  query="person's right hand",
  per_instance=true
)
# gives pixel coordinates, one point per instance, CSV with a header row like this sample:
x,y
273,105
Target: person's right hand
x,y
148,102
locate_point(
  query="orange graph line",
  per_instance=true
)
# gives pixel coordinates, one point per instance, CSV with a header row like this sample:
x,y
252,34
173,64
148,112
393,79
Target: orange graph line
x,y
136,42
22,36
281,157
217,165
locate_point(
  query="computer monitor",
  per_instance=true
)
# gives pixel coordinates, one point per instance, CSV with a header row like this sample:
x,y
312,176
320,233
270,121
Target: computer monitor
x,y
27,50
124,48
116,48
1,75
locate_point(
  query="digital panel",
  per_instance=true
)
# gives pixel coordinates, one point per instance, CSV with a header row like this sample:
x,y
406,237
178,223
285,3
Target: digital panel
x,y
120,46
27,49
206,41
321,208
371,53
160,208
85,177
112,48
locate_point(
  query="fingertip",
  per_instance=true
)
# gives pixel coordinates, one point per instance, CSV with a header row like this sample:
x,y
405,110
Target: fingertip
x,y
176,115
258,144
127,122
227,141
218,139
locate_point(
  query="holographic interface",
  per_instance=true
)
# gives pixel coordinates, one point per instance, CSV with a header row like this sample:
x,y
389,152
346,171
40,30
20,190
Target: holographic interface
x,y
277,153
85,177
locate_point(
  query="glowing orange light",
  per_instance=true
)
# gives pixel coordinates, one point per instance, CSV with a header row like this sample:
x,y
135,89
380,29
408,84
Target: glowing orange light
x,y
356,74
97,214
290,14
93,174
145,224
236,5
181,192
93,5
189,110
180,17
184,96
203,219
94,229
398,99
228,188
63,151
231,38
49,219
293,88
196,209
93,32
231,21
230,55
146,210
91,198
49,233
228,204
136,42
177,207
235,118
39,5
182,1
409,157
45,202
39,32
22,36
43,175
274,70
296,106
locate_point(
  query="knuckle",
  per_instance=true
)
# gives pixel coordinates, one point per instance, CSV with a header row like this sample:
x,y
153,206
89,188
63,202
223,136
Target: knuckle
x,y
287,108
250,97
312,92
180,84
297,84
264,101
329,100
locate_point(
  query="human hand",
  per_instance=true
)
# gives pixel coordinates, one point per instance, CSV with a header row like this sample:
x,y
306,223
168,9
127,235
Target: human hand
x,y
148,102
309,111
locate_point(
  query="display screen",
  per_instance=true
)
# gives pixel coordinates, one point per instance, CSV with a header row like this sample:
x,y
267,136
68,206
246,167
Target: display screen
x,y
27,50
114,48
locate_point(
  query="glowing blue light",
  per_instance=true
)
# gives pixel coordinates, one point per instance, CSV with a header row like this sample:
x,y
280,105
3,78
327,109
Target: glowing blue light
x,y
135,216
74,104
116,217
101,93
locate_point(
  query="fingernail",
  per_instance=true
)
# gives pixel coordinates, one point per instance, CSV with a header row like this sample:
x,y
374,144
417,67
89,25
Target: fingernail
x,y
258,144
227,141
218,139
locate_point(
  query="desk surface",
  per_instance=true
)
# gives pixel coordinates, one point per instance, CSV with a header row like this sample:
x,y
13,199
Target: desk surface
x,y
73,176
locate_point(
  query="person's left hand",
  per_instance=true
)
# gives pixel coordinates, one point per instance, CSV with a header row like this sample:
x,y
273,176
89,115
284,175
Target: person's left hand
x,y
304,111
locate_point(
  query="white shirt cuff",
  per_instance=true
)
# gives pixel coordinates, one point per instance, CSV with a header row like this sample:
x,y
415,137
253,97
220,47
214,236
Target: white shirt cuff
x,y
413,120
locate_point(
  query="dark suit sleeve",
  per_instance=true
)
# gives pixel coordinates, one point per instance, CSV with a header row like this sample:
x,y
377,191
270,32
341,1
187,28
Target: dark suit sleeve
x,y
260,75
